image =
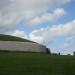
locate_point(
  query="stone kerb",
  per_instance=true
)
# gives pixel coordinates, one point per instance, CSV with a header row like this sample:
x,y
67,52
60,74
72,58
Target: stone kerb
x,y
22,46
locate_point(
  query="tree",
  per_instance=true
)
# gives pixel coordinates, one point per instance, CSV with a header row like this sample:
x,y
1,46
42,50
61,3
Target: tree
x,y
59,53
74,53
48,51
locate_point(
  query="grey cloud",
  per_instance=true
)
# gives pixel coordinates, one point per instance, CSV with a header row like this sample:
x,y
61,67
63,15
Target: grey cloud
x,y
4,3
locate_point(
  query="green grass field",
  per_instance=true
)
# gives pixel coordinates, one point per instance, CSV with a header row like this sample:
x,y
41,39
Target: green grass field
x,y
16,63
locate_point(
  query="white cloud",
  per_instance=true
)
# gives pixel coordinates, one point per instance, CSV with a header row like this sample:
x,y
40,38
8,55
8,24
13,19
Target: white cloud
x,y
48,17
37,5
19,33
13,11
68,42
8,21
48,34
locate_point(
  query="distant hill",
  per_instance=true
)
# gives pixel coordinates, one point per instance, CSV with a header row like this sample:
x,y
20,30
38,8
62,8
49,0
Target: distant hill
x,y
13,38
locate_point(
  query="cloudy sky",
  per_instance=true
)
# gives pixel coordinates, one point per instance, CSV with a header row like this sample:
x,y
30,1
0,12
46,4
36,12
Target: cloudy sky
x,y
48,22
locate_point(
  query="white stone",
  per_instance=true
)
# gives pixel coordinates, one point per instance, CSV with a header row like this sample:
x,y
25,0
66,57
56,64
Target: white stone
x,y
22,46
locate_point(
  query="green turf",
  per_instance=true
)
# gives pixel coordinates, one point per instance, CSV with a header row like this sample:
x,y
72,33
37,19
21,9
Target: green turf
x,y
12,38
12,63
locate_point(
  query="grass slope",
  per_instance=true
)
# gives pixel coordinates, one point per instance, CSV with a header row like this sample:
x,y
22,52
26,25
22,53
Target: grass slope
x,y
36,64
12,38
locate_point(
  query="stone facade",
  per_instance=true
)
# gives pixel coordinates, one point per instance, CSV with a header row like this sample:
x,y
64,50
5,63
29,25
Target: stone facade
x,y
22,46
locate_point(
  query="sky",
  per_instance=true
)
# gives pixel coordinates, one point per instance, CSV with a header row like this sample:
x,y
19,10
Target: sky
x,y
48,22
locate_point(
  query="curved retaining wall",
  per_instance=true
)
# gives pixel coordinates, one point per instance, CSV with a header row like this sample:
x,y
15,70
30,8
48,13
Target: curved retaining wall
x,y
22,46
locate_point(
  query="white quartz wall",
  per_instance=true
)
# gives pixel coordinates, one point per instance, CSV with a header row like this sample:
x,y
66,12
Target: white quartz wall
x,y
22,46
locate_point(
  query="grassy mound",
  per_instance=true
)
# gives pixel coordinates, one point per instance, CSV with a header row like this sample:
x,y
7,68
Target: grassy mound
x,y
12,38
36,64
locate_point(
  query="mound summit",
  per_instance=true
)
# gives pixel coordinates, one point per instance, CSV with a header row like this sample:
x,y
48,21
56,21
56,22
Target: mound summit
x,y
13,38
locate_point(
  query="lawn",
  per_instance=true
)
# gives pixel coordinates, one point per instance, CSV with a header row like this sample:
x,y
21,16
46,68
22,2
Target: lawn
x,y
16,63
